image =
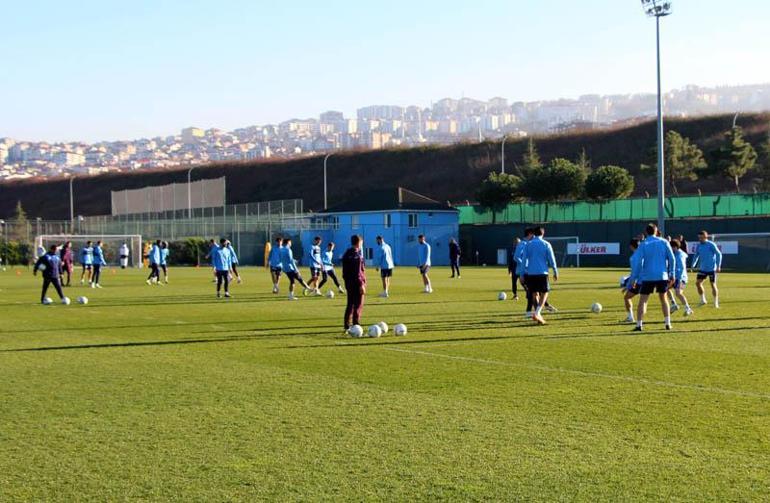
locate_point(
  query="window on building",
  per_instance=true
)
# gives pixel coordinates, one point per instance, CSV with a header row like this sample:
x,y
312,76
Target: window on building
x,y
354,221
334,223
413,220
370,254
387,223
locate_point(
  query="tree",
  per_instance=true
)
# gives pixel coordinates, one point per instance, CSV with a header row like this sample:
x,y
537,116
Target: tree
x,y
19,232
531,160
736,157
583,162
561,179
498,191
763,165
609,182
683,159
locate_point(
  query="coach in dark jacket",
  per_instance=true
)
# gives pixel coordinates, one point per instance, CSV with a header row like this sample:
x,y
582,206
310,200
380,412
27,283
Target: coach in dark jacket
x,y
354,275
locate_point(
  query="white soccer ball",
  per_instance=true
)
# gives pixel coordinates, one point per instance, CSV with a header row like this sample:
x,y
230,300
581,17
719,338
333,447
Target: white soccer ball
x,y
374,331
83,300
48,301
502,296
330,294
384,327
400,330
356,331
66,301
596,308
41,267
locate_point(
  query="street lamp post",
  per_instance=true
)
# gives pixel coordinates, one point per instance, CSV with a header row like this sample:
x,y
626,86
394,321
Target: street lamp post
x,y
326,200
659,9
72,205
189,193
502,155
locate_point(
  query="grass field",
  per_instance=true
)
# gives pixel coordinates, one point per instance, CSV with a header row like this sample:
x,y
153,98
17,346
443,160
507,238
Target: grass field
x,y
165,393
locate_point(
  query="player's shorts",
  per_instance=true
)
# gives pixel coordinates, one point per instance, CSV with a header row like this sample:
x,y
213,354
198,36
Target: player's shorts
x,y
712,276
293,276
424,269
276,270
654,286
679,284
627,286
315,272
87,267
386,273
538,283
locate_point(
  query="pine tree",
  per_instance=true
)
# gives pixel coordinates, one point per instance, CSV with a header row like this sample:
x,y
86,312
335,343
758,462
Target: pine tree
x,y
683,159
736,157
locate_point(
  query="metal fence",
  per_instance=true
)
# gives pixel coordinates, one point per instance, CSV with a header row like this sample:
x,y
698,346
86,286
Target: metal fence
x,y
176,196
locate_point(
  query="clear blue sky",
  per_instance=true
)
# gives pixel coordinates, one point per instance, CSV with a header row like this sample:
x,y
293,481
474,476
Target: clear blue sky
x,y
103,70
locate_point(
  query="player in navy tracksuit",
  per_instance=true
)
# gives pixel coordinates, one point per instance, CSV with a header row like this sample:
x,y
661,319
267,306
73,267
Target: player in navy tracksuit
x,y
354,275
50,264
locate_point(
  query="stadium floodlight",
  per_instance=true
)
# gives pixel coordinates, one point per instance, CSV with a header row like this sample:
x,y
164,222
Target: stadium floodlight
x,y
659,9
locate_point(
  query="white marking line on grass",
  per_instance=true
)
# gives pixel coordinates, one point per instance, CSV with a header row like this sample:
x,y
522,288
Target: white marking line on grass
x,y
582,373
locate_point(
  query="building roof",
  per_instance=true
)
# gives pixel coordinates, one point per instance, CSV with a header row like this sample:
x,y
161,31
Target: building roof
x,y
390,199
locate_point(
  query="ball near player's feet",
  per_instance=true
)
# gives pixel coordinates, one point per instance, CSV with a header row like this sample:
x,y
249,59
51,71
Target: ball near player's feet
x,y
66,301
83,300
502,296
400,330
596,308
47,301
330,294
384,327
374,331
356,331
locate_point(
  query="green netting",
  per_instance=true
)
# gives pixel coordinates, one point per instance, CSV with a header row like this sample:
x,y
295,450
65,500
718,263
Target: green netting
x,y
735,205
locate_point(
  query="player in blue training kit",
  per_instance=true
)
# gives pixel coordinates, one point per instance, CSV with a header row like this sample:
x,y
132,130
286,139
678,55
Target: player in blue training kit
x,y
328,272
538,259
98,261
289,266
234,261
222,258
708,258
274,262
629,290
653,272
680,275
316,266
164,252
50,264
153,257
87,261
383,260
423,262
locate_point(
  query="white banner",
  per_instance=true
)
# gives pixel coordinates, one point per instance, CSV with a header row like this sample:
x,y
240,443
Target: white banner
x,y
726,247
593,248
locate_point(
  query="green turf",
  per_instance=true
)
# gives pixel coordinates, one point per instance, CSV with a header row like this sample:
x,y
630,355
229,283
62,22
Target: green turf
x,y
165,393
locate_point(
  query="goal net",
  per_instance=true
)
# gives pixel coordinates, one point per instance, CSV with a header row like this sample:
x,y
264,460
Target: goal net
x,y
560,245
752,249
111,244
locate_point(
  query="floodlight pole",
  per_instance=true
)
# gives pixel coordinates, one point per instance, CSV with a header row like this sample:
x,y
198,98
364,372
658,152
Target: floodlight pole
x,y
502,155
72,204
326,201
661,168
189,193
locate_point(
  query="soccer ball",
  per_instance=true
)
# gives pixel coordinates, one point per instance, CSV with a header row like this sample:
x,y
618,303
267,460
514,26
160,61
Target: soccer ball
x,y
47,301
66,301
596,308
400,330
623,281
375,331
502,296
330,294
41,267
83,300
383,326
356,331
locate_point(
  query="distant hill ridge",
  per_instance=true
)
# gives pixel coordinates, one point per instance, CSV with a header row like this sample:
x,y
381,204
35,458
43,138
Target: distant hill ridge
x,y
444,173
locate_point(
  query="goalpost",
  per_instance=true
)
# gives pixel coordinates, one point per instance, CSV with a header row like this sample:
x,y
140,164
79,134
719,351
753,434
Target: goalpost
x,y
560,246
111,242
751,248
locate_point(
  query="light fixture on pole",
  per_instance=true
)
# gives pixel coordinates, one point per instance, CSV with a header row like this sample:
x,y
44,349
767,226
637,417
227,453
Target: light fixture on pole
x,y
659,9
326,201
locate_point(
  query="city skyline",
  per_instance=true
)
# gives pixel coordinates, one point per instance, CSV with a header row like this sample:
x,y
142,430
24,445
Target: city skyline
x,y
96,72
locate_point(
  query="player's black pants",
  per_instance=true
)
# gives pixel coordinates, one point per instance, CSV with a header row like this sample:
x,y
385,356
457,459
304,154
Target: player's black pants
x,y
96,274
154,272
454,263
325,275
223,277
56,282
514,280
355,304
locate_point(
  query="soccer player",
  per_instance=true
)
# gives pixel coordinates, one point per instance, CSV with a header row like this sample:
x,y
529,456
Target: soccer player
x,y
87,261
316,265
328,272
423,262
680,275
521,268
384,261
654,271
539,257
98,259
234,261
454,257
354,275
123,252
66,261
50,264
222,259
513,265
153,258
210,257
274,261
709,259
289,267
164,251
629,289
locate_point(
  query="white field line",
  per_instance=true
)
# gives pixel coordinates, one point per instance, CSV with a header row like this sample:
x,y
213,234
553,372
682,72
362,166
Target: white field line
x,y
640,380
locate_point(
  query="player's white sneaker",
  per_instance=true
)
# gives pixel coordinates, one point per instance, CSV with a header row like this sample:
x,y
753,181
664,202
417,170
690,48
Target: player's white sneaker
x,y
674,308
688,311
275,288
93,285
703,302
341,290
148,282
716,304
317,292
384,295
227,295
629,319
292,297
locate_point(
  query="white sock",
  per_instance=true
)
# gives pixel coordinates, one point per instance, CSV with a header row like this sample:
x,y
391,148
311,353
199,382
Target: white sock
x,y
667,320
703,298
538,311
639,323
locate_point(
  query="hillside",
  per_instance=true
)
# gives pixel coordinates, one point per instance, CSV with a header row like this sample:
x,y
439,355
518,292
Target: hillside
x,y
449,173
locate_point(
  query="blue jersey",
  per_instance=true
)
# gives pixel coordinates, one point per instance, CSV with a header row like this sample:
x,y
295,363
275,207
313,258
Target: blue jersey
x,y
518,256
154,255
708,257
656,261
287,260
222,259
274,258
233,255
98,255
539,257
52,263
680,271
87,256
423,254
316,262
164,256
328,260
384,258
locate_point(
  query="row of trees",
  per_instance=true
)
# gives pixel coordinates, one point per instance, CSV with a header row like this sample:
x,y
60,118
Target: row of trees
x,y
563,179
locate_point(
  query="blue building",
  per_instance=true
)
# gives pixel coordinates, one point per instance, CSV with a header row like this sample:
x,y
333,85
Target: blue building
x,y
398,215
